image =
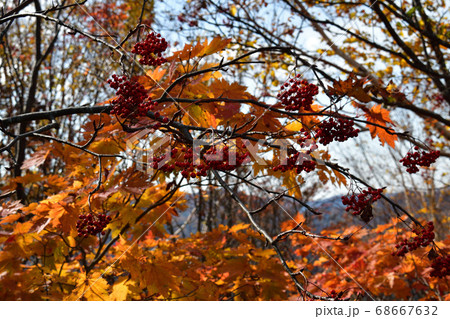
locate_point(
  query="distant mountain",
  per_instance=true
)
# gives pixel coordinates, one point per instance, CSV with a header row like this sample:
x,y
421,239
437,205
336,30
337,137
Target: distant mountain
x,y
333,211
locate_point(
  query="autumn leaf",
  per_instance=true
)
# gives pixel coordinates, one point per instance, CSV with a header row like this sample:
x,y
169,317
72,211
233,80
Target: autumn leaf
x,y
238,227
120,291
94,288
200,49
216,45
380,116
233,10
352,87
10,208
36,160
200,116
294,126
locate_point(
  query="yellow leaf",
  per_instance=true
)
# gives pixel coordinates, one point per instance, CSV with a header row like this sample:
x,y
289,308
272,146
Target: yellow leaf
x,y
120,291
238,227
92,289
233,10
106,146
77,185
294,126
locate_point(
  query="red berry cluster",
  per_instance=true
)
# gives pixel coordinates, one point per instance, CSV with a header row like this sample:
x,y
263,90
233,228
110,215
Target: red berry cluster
x,y
179,160
150,49
300,161
131,97
297,94
441,266
357,204
92,225
218,159
305,138
419,158
337,130
424,237
214,158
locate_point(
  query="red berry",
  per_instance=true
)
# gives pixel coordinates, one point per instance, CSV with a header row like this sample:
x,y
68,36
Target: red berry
x,y
297,94
425,237
419,158
357,204
131,98
150,49
337,130
441,266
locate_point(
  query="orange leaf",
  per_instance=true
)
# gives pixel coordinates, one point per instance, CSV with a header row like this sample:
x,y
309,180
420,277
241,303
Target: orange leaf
x,y
351,87
189,51
216,45
238,227
380,116
200,49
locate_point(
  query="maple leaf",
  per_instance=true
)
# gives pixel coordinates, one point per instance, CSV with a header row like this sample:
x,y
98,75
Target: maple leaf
x,y
216,45
200,49
380,116
189,51
120,291
351,87
200,116
10,208
90,288
37,159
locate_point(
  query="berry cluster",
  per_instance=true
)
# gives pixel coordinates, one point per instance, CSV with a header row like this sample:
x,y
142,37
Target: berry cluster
x,y
218,159
131,97
213,158
357,204
441,266
92,225
424,237
336,129
305,139
150,49
419,158
300,161
182,161
297,94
